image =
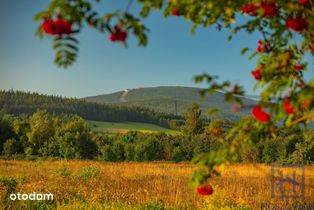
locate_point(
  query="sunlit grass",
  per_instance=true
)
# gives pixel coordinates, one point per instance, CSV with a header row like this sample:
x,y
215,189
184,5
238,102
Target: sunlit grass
x,y
124,127
97,185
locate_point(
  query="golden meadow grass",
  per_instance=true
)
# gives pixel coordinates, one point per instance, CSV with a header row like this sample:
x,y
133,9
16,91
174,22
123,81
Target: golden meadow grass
x,y
157,185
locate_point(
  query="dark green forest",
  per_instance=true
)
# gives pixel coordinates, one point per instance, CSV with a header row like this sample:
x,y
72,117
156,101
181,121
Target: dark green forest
x,y
17,102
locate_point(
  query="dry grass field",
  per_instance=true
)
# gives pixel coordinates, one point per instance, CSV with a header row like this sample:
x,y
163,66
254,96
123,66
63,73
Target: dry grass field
x,y
157,185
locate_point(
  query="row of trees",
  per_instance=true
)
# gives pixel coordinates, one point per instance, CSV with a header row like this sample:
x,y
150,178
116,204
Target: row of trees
x,y
43,134
17,102
288,148
70,137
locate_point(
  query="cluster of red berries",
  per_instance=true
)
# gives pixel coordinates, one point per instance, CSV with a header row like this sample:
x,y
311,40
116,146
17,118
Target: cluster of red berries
x,y
176,12
118,35
305,103
205,190
297,24
250,9
269,9
288,108
304,2
264,117
299,67
262,47
260,115
58,26
257,73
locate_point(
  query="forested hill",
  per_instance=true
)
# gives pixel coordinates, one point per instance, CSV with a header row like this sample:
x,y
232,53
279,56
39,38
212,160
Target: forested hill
x,y
172,100
17,102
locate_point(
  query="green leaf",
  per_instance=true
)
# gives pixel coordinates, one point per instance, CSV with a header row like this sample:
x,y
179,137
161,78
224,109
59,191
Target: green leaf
x,y
244,50
41,15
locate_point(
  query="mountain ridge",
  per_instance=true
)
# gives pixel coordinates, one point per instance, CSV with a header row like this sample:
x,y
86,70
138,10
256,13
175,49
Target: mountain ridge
x,y
172,100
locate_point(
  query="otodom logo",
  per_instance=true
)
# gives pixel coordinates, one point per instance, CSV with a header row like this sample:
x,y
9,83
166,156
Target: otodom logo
x,y
33,196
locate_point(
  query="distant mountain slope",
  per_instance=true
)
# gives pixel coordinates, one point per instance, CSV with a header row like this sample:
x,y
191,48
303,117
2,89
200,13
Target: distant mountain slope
x,y
18,102
166,99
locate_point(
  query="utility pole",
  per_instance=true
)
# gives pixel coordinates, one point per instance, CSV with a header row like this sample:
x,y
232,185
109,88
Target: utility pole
x,y
176,103
176,106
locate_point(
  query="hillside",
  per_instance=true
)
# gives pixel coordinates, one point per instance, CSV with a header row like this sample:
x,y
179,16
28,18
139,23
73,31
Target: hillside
x,y
18,102
171,100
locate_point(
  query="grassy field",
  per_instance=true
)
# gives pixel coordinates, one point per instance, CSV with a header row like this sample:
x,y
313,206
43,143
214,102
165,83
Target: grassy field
x,y
123,127
160,185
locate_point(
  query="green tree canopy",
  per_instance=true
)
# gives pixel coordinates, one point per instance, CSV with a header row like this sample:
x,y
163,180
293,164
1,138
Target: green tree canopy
x,y
193,121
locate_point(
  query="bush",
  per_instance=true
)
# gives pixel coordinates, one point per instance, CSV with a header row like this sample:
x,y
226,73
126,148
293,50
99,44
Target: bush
x,y
201,144
129,152
130,137
68,146
149,150
177,155
270,151
90,171
107,153
304,152
8,185
6,130
252,153
118,151
28,152
11,147
187,147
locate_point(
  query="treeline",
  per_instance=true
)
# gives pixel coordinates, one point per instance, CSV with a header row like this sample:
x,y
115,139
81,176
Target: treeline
x,y
70,137
290,148
17,102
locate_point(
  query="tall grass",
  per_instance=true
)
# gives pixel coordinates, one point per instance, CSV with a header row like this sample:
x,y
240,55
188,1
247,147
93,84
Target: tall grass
x,y
155,185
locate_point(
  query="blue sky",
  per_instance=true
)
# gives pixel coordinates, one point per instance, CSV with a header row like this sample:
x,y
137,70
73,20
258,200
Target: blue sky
x,y
172,57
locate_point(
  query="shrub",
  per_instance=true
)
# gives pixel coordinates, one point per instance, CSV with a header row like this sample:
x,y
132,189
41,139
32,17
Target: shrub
x,y
130,137
252,153
90,171
11,147
107,153
149,150
304,152
177,155
118,151
9,184
68,146
270,151
129,152
201,144
6,130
